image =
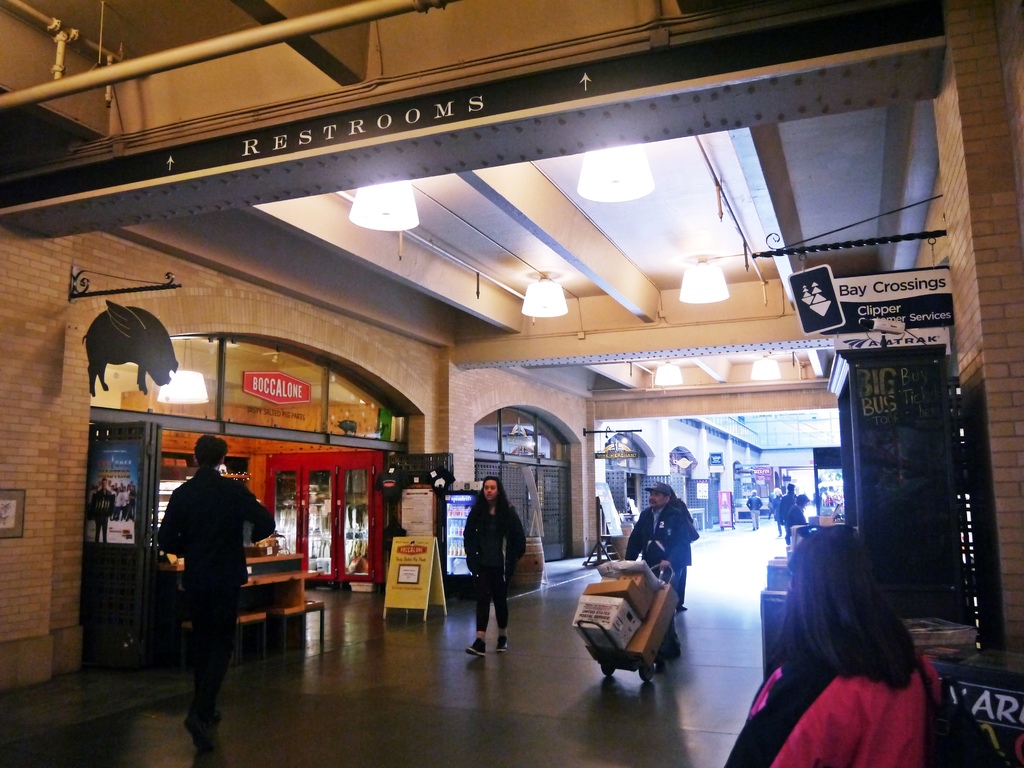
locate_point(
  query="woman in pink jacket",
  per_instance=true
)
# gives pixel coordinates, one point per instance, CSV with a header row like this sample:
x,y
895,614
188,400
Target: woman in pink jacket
x,y
848,690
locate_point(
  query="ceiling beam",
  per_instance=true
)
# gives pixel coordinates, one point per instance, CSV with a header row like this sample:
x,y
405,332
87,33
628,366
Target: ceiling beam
x,y
697,339
307,47
717,368
325,217
527,196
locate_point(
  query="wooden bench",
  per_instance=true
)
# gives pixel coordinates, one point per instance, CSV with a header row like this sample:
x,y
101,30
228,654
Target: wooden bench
x,y
283,613
245,619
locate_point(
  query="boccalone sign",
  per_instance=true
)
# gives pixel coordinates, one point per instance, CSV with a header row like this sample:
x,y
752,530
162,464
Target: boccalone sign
x,y
275,387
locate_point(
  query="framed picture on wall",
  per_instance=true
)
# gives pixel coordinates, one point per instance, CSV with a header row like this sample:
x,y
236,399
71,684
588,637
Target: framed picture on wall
x,y
12,514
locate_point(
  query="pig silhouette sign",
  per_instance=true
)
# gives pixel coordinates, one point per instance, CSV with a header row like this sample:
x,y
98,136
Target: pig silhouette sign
x,y
129,335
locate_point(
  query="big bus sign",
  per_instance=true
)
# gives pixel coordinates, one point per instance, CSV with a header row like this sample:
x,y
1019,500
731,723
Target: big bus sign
x,y
275,387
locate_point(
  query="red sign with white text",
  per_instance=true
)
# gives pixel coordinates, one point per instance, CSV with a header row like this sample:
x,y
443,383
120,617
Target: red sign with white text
x,y
275,387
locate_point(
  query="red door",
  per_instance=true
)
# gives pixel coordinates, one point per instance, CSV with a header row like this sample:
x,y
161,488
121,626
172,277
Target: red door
x,y
327,509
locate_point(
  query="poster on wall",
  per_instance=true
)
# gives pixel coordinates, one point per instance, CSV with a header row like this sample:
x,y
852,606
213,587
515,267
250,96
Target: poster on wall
x,y
112,493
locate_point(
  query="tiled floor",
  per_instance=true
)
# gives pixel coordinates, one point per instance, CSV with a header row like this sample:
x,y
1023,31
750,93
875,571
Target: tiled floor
x,y
403,692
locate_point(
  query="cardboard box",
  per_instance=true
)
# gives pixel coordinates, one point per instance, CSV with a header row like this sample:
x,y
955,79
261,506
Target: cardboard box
x,y
778,574
612,614
635,591
650,634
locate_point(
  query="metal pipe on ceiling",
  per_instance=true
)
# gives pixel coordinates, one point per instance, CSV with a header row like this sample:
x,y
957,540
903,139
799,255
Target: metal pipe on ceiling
x,y
218,47
52,24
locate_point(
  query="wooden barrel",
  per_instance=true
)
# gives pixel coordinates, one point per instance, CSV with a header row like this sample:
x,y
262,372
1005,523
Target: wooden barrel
x,y
530,571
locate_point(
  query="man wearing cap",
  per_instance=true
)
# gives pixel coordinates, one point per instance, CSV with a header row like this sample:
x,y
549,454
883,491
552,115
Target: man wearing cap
x,y
660,537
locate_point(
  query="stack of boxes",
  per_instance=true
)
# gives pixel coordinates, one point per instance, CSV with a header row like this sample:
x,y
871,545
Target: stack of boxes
x,y
629,612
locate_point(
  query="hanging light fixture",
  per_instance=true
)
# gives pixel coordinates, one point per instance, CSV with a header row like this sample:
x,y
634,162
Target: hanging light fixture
x,y
615,175
545,298
703,284
388,207
765,369
668,375
186,388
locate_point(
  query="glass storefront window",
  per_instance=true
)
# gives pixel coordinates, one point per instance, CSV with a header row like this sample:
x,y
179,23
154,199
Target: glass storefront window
x,y
485,434
351,411
523,434
264,386
517,433
270,388
549,444
199,355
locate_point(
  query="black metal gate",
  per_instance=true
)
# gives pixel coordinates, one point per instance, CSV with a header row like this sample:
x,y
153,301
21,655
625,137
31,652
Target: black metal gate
x,y
118,577
553,496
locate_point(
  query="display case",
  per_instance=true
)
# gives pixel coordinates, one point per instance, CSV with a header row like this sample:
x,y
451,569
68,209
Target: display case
x,y
320,538
357,523
457,506
327,510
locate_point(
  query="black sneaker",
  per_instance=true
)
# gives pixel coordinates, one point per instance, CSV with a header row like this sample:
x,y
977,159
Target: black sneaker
x,y
197,729
477,648
502,644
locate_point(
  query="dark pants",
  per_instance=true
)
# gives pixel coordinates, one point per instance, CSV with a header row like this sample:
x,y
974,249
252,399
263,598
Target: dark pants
x,y
214,615
491,586
680,585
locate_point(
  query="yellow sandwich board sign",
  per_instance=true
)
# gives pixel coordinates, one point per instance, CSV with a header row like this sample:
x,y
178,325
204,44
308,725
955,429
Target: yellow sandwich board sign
x,y
414,576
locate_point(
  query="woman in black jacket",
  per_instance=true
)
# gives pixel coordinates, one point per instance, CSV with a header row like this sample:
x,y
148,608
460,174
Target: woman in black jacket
x,y
494,541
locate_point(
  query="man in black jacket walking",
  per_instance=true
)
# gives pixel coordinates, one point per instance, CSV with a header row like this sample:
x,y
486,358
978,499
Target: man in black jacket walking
x,y
204,523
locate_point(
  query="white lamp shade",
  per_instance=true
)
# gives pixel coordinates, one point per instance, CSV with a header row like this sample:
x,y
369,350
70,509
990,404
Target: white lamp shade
x,y
615,175
388,207
703,284
545,298
186,388
765,369
668,375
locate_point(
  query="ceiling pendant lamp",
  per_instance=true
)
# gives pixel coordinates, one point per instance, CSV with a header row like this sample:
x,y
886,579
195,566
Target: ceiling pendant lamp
x,y
668,375
186,388
615,175
545,298
703,284
387,207
765,369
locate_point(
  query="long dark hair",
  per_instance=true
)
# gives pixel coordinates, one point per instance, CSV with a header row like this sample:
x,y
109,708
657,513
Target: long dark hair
x,y
837,616
501,503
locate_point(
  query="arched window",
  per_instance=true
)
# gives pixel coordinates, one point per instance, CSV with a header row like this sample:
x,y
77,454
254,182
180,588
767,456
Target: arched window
x,y
258,383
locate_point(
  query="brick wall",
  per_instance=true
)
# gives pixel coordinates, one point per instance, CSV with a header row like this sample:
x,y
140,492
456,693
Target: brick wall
x,y
476,393
979,178
44,392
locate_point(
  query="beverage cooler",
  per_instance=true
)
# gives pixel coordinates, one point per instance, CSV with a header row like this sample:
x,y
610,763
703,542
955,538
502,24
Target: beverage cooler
x,y
457,506
327,510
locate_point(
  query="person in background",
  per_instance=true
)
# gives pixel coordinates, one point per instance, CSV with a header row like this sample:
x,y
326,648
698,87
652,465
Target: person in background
x,y
796,512
773,508
203,523
848,689
754,504
494,541
660,538
786,503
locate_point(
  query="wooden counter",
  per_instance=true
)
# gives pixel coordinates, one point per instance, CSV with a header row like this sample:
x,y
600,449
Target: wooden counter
x,y
275,581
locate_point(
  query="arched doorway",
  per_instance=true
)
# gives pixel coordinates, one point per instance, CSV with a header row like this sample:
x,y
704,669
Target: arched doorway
x,y
529,454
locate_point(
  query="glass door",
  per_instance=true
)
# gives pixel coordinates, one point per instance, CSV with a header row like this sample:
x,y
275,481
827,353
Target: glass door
x,y
286,510
360,518
319,514
326,508
357,523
